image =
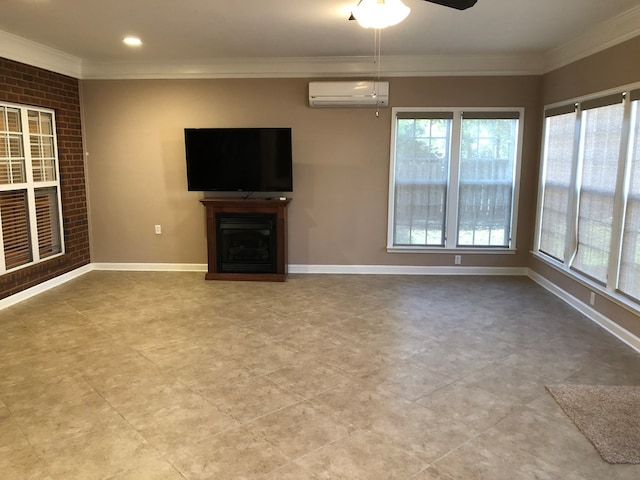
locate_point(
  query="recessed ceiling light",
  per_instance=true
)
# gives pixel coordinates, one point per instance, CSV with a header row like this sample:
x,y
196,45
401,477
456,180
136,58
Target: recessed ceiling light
x,y
132,41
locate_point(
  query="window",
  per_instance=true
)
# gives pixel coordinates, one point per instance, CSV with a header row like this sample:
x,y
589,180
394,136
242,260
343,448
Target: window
x,y
30,215
453,179
589,211
559,146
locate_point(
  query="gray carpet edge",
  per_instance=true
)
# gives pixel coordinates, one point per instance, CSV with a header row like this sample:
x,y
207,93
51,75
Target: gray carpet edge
x,y
608,416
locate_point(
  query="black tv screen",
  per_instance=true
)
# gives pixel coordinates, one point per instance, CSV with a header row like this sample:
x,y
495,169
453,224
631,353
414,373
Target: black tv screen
x,y
239,159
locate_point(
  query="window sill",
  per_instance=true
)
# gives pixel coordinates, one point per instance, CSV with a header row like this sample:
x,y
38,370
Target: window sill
x,y
461,250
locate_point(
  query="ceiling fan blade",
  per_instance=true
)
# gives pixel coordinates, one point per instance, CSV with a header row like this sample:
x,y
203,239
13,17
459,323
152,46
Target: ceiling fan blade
x,y
457,4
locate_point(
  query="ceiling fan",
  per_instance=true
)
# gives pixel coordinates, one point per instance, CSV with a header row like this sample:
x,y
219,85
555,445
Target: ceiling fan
x,y
384,13
457,4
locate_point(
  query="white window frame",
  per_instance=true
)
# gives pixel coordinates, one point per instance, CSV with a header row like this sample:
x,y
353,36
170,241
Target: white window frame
x,y
609,288
451,215
31,186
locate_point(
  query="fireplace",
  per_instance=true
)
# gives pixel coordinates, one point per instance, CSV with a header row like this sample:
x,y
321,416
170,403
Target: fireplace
x,y
246,239
247,243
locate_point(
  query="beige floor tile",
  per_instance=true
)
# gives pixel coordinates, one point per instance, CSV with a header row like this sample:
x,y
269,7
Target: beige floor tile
x,y
516,385
187,421
315,341
208,376
291,471
22,463
273,325
138,394
298,429
473,407
431,474
97,455
482,460
30,369
454,363
146,336
267,359
249,399
110,365
14,447
309,377
235,454
152,469
178,353
60,421
47,391
408,378
418,430
360,361
361,456
554,440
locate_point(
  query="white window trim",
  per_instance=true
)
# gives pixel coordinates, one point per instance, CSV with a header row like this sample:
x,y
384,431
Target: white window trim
x,y
609,290
452,194
30,186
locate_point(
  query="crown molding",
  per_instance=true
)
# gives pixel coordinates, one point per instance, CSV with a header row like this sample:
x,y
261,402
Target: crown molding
x,y
396,66
609,33
606,35
38,55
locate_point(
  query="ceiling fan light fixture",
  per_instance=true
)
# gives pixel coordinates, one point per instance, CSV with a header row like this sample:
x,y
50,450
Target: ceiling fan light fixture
x,y
132,41
380,13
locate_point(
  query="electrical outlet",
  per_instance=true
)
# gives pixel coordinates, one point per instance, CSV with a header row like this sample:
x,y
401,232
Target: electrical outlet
x,y
592,298
158,229
457,259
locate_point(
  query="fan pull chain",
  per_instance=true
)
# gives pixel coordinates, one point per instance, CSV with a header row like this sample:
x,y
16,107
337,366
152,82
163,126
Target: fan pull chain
x,y
377,57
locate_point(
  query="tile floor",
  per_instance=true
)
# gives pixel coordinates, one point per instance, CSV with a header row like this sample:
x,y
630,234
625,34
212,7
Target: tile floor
x,y
163,376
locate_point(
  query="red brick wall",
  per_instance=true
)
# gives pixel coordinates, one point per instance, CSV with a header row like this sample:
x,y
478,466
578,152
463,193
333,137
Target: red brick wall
x,y
24,84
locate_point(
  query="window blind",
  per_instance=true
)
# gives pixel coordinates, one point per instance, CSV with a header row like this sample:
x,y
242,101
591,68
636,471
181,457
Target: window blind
x,y
629,278
558,158
47,221
491,115
601,151
15,228
561,110
424,115
605,101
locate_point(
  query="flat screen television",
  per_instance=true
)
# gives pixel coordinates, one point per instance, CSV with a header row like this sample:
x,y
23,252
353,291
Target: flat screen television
x,y
239,159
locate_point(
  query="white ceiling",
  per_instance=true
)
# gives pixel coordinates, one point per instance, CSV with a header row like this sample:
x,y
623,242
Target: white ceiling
x,y
254,37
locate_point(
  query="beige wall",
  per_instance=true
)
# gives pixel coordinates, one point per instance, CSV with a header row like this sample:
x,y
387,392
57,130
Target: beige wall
x,y
614,67
606,70
338,216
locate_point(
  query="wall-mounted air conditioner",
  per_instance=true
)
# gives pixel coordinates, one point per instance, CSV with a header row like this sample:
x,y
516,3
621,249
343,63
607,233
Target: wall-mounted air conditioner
x,y
349,94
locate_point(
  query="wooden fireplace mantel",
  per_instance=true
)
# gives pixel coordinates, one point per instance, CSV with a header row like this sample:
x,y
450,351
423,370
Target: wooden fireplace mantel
x,y
275,207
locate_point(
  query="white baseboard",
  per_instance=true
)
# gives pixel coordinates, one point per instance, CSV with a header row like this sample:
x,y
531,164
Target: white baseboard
x,y
151,267
326,269
609,325
405,270
44,286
